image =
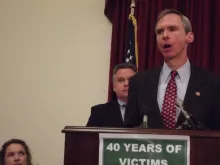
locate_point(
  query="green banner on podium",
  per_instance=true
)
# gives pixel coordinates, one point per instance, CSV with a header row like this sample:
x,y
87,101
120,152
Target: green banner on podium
x,y
135,149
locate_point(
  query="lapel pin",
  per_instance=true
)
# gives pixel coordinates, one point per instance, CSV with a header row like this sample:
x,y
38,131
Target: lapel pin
x,y
197,93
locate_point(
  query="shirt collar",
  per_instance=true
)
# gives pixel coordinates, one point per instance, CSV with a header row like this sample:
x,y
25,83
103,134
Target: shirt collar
x,y
121,103
183,72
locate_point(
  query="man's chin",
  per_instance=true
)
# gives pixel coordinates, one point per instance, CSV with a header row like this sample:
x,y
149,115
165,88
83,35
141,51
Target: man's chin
x,y
168,57
125,95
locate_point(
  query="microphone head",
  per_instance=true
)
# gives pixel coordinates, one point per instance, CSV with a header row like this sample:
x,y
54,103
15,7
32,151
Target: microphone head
x,y
145,118
179,103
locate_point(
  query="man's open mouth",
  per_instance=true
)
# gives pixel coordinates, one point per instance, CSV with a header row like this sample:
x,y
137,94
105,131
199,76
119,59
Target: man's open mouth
x,y
165,46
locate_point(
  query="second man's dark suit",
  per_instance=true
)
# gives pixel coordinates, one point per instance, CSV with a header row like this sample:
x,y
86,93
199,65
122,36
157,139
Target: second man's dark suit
x,y
202,99
106,115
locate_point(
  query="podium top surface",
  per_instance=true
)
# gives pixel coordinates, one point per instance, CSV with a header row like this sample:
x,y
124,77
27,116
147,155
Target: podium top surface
x,y
193,133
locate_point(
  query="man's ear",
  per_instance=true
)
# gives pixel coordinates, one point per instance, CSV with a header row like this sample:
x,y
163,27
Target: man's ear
x,y
189,37
113,86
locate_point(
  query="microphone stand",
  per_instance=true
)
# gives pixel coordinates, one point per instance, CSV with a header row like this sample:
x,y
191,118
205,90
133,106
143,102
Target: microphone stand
x,y
191,123
198,125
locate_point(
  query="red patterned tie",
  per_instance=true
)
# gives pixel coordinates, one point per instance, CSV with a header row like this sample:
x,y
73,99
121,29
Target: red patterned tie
x,y
169,103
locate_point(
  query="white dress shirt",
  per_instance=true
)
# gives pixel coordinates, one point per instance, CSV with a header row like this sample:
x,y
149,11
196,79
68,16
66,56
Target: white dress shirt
x,y
122,108
182,80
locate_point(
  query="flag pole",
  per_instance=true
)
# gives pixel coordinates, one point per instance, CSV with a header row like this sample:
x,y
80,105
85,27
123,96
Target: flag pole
x,y
132,17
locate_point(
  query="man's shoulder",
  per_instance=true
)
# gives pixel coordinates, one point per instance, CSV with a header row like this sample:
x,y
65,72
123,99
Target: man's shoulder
x,y
205,74
104,106
148,73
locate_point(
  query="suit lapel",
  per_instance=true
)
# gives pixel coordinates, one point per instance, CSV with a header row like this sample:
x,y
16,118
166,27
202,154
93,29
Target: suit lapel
x,y
195,85
116,113
149,103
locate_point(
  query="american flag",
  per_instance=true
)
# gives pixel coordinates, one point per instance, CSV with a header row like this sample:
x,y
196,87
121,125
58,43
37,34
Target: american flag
x,y
132,49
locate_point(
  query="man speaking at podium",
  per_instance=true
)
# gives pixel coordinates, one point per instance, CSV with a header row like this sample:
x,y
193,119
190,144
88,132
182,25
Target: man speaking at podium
x,y
154,93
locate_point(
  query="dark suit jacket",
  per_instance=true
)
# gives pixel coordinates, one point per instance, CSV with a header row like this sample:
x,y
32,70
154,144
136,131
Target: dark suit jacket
x,y
106,115
201,100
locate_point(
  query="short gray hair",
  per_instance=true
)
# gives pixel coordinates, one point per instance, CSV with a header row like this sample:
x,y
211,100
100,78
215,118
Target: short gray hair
x,y
186,22
122,66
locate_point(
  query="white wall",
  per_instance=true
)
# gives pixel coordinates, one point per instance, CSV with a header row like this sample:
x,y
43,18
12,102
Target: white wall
x,y
54,62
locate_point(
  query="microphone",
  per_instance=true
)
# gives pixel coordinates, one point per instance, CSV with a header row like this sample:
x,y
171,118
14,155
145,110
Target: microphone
x,y
145,113
191,122
144,123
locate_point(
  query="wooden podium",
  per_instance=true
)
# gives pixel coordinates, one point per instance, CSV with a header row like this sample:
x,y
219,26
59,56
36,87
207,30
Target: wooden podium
x,y
82,144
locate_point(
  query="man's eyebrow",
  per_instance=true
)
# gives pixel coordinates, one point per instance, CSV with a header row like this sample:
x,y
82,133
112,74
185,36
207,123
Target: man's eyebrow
x,y
158,29
169,26
172,26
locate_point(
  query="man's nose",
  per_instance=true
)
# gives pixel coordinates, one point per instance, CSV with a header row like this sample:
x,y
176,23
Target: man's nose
x,y
165,34
126,82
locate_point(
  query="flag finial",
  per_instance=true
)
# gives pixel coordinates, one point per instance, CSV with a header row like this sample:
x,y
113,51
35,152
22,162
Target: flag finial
x,y
132,6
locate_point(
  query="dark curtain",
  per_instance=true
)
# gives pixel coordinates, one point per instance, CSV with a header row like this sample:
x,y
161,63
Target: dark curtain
x,y
204,16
